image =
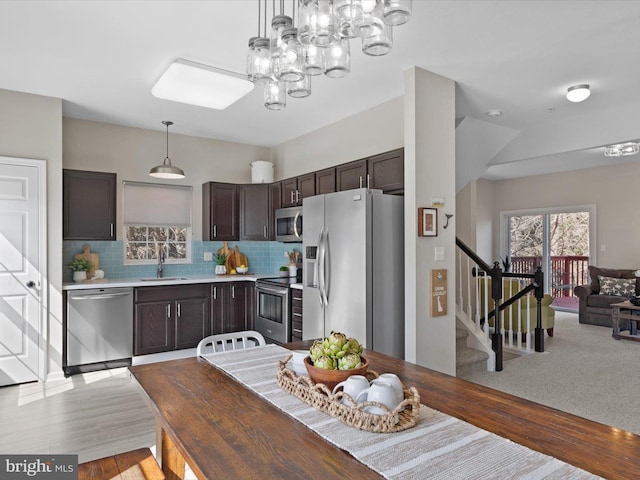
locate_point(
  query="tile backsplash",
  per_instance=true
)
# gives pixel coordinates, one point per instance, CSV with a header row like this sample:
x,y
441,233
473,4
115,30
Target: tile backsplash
x,y
264,258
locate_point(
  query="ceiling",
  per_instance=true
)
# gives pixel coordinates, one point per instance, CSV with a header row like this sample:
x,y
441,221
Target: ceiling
x,y
103,57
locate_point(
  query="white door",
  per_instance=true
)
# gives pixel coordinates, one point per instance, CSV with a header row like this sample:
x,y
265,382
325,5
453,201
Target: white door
x,y
22,266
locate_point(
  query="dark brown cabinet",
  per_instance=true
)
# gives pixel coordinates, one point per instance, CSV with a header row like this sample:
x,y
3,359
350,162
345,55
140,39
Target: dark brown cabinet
x,y
294,190
219,301
351,175
386,171
241,307
326,181
275,197
89,205
296,315
255,212
169,318
219,211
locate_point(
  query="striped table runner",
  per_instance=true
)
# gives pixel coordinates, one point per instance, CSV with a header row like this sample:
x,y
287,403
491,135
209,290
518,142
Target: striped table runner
x,y
438,447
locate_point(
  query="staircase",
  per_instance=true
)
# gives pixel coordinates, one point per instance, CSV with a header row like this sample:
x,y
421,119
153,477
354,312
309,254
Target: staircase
x,y
468,359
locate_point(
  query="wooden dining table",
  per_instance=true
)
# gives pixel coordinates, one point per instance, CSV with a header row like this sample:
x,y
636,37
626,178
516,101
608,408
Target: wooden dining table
x,y
220,428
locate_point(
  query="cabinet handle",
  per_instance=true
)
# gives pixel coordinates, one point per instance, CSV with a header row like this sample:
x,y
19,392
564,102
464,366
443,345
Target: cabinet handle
x,y
265,231
297,315
368,181
169,311
297,196
233,291
291,196
360,181
215,293
178,310
297,330
215,231
111,229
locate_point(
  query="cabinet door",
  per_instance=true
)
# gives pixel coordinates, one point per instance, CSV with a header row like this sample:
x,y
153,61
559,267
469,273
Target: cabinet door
x,y
351,175
289,192
239,315
326,181
306,186
386,171
192,322
254,212
275,202
219,296
89,205
153,328
219,211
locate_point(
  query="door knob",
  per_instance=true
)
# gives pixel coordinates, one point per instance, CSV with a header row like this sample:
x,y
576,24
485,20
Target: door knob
x,y
31,284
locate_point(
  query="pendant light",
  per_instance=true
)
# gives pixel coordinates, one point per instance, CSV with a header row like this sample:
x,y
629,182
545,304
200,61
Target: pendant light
x,y
166,170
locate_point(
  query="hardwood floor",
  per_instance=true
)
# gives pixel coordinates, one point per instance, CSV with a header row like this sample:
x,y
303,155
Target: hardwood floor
x,y
93,415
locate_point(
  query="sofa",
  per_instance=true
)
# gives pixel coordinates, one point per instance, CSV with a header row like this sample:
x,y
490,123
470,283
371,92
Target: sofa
x,y
525,309
607,286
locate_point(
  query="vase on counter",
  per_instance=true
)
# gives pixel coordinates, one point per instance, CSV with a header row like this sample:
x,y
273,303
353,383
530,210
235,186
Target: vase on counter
x,y
79,276
293,270
221,269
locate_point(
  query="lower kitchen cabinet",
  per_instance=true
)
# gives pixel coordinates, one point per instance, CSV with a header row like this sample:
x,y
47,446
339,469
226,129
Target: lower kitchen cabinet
x,y
170,318
232,307
296,315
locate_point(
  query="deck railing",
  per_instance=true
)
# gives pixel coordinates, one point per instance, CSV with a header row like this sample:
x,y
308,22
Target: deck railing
x,y
567,271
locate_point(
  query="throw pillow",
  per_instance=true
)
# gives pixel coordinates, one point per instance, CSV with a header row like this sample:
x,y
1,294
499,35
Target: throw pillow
x,y
617,286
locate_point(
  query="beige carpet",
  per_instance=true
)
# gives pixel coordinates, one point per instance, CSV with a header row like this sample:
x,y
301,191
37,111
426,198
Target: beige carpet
x,y
582,371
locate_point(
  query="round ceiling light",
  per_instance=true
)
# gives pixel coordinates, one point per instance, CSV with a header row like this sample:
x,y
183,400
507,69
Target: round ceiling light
x,y
578,93
622,149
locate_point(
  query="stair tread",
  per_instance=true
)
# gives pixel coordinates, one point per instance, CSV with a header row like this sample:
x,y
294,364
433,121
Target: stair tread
x,y
470,355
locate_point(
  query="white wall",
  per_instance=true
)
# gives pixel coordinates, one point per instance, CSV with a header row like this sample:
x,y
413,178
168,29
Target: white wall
x,y
429,112
611,189
373,131
131,152
31,127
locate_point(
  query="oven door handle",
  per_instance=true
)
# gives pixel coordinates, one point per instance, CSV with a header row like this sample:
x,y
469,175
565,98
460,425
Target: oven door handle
x,y
269,289
320,266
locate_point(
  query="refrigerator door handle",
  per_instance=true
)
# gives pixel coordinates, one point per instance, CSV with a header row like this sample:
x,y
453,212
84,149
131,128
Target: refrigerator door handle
x,y
326,267
318,272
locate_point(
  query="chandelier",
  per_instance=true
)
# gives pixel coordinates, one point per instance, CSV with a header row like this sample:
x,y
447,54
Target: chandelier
x,y
284,60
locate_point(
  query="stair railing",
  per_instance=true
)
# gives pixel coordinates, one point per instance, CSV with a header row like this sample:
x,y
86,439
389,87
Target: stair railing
x,y
473,304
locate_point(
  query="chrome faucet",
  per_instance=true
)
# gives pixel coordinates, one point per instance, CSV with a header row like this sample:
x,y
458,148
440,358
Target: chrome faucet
x,y
160,262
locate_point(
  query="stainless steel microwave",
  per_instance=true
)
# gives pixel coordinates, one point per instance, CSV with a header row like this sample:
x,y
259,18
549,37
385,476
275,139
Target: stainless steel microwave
x,y
289,224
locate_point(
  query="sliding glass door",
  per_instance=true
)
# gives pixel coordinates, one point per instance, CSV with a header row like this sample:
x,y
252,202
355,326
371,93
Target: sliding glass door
x,y
558,241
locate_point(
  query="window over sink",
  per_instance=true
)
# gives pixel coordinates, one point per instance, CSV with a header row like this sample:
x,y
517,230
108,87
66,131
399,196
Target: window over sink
x,y
156,218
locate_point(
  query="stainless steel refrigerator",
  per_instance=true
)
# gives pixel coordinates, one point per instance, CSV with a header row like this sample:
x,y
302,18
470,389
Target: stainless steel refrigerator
x,y
353,274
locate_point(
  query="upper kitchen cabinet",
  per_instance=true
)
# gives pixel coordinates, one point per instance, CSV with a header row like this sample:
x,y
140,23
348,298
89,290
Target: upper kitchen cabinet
x,y
386,171
326,181
255,212
294,190
275,197
219,211
351,175
89,205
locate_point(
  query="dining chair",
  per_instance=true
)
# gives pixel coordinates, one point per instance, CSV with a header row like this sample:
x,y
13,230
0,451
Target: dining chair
x,y
223,342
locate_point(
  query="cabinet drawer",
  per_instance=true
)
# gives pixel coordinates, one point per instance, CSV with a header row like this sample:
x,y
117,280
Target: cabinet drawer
x,y
171,292
296,303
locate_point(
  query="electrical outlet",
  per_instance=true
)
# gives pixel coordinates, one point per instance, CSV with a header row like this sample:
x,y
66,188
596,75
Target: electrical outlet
x,y
208,256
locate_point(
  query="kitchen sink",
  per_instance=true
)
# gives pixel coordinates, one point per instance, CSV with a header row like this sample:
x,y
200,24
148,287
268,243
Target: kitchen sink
x,y
162,279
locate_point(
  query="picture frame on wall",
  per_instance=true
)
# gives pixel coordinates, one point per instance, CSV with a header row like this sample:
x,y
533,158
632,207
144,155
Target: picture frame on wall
x,y
427,222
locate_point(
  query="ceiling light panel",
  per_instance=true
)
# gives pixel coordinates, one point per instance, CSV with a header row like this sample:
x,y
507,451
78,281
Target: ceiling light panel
x,y
201,85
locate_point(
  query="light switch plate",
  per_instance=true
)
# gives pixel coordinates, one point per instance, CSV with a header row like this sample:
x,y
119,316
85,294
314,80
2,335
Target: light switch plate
x,y
439,254
208,256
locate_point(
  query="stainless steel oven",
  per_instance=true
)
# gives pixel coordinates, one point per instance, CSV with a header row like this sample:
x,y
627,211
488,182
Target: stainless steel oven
x,y
289,224
273,308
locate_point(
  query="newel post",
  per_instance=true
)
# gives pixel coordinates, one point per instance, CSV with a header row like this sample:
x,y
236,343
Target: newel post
x,y
496,295
539,292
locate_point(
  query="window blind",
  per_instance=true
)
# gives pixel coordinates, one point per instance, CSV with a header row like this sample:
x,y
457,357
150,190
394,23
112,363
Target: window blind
x,y
156,204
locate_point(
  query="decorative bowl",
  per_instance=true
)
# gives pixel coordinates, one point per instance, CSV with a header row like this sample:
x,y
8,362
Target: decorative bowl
x,y
333,377
242,269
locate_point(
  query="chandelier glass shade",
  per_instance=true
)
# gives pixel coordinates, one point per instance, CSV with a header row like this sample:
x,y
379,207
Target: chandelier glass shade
x,y
314,40
622,149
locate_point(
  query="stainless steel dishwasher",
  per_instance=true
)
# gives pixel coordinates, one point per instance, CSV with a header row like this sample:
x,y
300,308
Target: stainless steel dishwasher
x,y
99,331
